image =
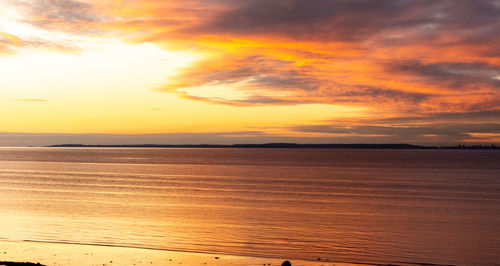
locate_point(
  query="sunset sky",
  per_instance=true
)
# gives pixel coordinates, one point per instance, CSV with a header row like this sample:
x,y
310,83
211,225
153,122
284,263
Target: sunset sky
x,y
249,71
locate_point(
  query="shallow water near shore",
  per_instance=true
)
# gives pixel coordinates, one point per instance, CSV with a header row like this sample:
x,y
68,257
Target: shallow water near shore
x,y
371,206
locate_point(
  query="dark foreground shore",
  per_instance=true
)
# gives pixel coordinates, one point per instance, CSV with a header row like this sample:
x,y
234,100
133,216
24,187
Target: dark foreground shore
x,y
10,263
13,253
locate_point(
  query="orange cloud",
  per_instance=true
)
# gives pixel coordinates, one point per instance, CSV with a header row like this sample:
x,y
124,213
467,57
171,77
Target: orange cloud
x,y
405,56
8,41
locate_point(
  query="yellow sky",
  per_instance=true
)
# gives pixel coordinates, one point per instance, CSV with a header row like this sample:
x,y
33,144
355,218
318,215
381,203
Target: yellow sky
x,y
112,87
129,67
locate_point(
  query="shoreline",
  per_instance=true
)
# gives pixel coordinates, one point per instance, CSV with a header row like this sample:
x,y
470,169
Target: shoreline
x,y
66,254
386,146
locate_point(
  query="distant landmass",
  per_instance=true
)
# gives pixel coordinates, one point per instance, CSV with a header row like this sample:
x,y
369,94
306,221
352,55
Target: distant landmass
x,y
286,145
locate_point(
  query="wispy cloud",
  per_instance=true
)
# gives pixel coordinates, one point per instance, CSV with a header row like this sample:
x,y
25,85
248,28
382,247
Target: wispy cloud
x,y
9,41
32,100
432,128
456,75
58,14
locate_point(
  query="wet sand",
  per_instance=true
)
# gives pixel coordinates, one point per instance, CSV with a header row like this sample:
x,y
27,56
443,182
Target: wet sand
x,y
73,254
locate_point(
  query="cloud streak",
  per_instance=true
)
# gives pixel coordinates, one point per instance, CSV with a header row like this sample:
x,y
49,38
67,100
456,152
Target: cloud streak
x,y
58,14
474,127
458,75
32,100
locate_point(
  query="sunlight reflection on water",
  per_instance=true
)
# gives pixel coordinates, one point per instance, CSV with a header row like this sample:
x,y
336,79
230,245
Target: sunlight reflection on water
x,y
387,206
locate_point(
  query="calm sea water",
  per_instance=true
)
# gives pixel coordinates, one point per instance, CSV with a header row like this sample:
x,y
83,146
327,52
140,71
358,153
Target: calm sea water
x,y
384,206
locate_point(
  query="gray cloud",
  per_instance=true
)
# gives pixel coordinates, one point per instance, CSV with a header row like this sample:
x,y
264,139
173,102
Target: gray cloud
x,y
59,14
440,133
423,129
364,93
456,75
66,10
468,117
357,20
264,73
322,19
441,129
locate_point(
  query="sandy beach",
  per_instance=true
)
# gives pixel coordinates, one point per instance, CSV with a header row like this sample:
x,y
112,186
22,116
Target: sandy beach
x,y
74,254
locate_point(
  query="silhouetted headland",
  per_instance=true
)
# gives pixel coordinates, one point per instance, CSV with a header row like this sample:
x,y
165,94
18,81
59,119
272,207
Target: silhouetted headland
x,y
9,263
285,145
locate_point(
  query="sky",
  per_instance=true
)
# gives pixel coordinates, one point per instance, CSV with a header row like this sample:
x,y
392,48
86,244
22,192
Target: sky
x,y
249,71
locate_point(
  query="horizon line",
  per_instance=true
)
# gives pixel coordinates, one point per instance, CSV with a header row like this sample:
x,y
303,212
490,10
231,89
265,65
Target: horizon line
x,y
280,145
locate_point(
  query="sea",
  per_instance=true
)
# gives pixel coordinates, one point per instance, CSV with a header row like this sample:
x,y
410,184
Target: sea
x,y
339,205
